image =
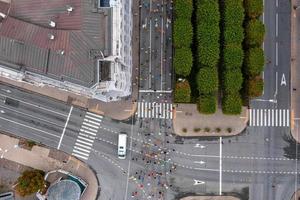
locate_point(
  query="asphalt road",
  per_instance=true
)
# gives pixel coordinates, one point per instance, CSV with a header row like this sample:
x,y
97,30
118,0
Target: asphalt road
x,y
261,161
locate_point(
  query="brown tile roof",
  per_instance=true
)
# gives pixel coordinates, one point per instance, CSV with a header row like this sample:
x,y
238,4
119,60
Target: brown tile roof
x,y
24,38
4,7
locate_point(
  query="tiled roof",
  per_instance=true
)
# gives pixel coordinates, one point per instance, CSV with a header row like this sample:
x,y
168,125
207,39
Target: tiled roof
x,y
25,38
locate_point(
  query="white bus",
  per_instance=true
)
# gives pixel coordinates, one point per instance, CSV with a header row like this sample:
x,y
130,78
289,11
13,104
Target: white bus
x,y
122,142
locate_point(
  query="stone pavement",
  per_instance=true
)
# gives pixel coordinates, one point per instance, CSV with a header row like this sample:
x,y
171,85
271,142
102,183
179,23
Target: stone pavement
x,y
39,158
195,124
295,70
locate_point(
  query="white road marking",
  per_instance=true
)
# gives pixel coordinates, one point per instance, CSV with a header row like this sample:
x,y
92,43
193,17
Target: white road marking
x,y
84,142
150,57
93,118
86,139
85,131
95,115
269,117
81,145
276,24
90,121
66,124
82,149
220,173
79,152
156,91
276,55
90,125
197,182
288,117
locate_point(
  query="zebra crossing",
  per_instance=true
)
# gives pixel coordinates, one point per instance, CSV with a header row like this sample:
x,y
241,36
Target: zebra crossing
x,y
87,135
269,117
155,110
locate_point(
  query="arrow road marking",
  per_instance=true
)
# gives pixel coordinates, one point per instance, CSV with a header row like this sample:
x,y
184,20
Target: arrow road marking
x,y
197,182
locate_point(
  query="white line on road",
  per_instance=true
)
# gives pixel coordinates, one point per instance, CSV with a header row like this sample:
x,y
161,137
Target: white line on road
x,y
161,52
150,51
66,124
276,85
276,56
220,173
276,24
276,3
93,118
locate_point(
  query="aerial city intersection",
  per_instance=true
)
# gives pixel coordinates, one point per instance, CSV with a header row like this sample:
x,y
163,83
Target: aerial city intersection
x,y
149,99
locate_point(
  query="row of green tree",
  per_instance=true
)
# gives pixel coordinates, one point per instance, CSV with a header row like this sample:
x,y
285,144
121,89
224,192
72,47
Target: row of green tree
x,y
232,54
254,54
182,40
208,52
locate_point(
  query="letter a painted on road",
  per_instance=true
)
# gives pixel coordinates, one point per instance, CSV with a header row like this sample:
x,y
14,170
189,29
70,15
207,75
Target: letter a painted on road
x,y
283,81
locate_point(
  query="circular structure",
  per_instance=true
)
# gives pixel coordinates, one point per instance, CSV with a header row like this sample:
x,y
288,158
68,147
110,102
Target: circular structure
x,y
64,190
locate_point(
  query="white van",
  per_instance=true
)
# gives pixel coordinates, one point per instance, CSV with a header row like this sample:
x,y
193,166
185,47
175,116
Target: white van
x,y
122,142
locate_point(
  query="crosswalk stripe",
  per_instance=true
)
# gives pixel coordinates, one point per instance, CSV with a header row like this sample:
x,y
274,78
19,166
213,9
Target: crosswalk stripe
x,y
87,124
138,110
85,131
283,117
82,149
79,156
86,139
84,142
95,115
269,117
88,128
87,136
81,145
90,121
167,111
171,111
79,152
272,117
288,117
93,118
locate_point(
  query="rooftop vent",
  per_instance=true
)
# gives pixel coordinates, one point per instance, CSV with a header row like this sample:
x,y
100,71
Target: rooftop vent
x,y
69,8
52,23
61,52
51,36
2,15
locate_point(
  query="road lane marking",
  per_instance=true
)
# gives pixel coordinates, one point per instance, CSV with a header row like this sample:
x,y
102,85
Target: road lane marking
x,y
66,124
156,91
220,173
276,55
197,182
276,24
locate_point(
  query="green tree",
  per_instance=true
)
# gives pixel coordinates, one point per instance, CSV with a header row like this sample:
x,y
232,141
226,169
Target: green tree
x,y
233,56
233,13
255,87
232,104
183,60
232,81
233,35
208,11
255,33
207,104
183,9
207,80
30,182
254,61
253,8
182,92
182,33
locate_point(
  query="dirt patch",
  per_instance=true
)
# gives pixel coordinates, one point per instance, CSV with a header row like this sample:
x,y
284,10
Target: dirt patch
x,y
26,144
189,122
210,198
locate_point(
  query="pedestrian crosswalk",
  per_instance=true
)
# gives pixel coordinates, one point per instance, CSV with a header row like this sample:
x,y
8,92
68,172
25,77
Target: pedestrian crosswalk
x,y
87,135
269,117
155,110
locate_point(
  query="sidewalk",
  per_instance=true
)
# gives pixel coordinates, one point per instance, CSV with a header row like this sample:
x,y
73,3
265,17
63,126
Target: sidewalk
x,y
189,122
295,72
40,158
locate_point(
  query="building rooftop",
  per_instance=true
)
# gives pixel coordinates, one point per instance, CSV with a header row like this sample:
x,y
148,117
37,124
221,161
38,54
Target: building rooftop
x,y
55,38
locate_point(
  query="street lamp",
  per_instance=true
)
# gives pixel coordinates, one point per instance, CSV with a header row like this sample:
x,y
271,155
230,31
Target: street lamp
x,y
6,150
